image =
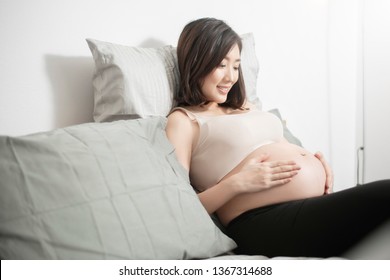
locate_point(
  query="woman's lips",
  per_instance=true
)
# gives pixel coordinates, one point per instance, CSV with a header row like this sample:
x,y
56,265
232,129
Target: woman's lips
x,y
223,89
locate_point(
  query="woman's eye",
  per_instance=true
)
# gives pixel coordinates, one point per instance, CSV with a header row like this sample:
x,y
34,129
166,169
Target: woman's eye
x,y
235,68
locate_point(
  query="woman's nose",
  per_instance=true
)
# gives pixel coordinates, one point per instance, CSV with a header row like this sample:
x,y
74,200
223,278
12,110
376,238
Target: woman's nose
x,y
230,75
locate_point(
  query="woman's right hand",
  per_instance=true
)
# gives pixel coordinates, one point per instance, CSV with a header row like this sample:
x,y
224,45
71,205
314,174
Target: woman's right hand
x,y
258,174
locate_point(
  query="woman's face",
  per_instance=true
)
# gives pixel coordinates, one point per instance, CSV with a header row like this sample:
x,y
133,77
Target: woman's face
x,y
217,84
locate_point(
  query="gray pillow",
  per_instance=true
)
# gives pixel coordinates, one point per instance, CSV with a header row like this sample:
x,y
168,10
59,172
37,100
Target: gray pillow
x,y
286,132
132,82
101,191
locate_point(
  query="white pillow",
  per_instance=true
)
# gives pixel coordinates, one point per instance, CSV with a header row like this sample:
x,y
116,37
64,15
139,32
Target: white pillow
x,y
134,82
250,68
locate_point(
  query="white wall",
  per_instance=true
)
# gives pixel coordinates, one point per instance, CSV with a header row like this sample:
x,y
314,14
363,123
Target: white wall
x,y
376,76
344,88
46,66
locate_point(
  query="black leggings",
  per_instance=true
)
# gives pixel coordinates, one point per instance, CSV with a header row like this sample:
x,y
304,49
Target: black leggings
x,y
323,226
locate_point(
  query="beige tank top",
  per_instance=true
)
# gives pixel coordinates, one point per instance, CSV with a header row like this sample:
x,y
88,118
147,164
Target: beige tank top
x,y
225,140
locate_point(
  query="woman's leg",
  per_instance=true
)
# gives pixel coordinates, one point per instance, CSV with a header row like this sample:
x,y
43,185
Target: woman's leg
x,y
317,227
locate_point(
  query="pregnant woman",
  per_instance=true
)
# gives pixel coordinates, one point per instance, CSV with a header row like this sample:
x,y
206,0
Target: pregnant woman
x,y
273,197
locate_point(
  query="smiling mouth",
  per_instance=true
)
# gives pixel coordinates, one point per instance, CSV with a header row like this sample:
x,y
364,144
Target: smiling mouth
x,y
224,90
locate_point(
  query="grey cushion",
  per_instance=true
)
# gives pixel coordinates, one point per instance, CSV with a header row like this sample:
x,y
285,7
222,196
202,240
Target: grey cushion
x,y
290,137
101,191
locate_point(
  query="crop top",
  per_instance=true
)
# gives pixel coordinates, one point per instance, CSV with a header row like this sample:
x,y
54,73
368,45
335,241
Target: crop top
x,y
225,140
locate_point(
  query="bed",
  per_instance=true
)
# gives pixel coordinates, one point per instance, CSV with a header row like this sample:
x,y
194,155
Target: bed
x,y
112,189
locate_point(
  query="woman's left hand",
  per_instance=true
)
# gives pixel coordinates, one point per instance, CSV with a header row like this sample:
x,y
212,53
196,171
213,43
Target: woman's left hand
x,y
328,172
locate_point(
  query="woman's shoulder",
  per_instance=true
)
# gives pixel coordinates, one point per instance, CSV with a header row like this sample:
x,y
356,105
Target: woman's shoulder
x,y
181,112
191,112
180,126
180,118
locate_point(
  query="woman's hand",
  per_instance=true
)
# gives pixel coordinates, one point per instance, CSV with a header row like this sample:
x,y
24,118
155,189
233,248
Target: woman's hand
x,y
328,171
258,174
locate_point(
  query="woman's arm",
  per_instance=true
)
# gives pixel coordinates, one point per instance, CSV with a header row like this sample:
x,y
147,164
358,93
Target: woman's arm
x,y
181,131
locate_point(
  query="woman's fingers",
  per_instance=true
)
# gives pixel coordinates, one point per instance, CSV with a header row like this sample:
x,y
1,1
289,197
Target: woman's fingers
x,y
283,175
280,182
328,172
283,166
273,173
282,172
279,172
281,163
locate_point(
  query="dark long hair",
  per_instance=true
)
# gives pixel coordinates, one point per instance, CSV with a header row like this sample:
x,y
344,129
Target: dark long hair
x,y
202,45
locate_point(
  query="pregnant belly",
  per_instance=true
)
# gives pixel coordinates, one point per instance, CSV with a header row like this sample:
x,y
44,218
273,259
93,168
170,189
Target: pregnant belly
x,y
309,182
